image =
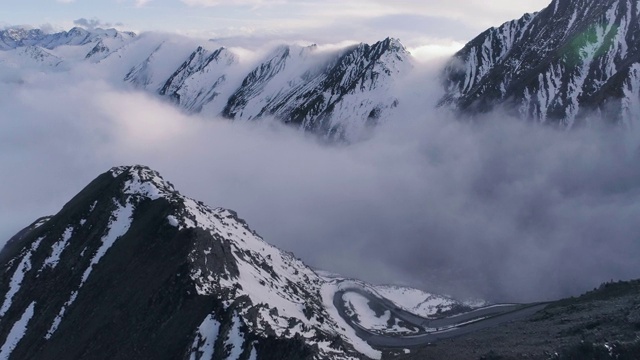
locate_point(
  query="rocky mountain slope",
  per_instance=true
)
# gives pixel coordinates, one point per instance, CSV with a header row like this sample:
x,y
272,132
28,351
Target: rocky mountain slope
x,y
130,268
337,94
557,66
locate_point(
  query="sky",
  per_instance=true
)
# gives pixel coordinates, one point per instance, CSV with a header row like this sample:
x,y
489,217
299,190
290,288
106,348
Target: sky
x,y
423,25
501,210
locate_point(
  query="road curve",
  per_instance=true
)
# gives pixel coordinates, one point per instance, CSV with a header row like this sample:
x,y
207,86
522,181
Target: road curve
x,y
432,329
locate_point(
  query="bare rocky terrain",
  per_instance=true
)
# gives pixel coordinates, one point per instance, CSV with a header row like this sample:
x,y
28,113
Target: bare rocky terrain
x,y
601,324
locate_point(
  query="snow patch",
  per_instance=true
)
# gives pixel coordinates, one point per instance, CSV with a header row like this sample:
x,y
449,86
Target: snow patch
x,y
173,221
416,301
235,339
205,339
18,276
359,305
58,318
16,333
119,225
57,248
41,222
254,354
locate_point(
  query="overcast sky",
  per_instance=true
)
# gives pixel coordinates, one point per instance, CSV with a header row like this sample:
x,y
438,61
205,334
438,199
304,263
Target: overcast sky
x,y
434,24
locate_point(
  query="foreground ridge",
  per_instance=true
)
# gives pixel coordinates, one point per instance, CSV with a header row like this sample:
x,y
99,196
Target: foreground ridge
x,y
130,268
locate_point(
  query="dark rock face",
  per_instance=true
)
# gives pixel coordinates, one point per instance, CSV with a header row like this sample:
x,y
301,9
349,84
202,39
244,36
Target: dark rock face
x,y
556,66
131,269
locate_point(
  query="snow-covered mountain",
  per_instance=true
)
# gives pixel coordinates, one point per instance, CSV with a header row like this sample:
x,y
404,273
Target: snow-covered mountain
x,y
132,269
337,94
200,79
32,48
13,38
556,66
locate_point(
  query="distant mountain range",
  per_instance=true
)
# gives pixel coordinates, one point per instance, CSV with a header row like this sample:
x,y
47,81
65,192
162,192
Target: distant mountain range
x,y
573,59
19,37
339,95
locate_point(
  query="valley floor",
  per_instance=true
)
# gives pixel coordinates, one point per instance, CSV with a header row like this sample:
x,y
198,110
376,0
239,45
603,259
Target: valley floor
x,y
602,324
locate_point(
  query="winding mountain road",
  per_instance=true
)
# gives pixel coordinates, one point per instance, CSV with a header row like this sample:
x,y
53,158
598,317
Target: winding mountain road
x,y
431,329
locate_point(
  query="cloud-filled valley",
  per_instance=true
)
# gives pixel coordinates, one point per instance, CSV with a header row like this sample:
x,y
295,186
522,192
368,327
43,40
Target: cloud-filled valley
x,y
493,208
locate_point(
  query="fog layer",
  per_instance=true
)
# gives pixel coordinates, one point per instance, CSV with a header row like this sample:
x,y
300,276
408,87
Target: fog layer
x,y
496,208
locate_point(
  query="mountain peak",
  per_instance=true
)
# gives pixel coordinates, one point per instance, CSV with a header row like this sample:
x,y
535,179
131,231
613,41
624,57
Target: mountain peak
x,y
76,31
143,181
129,256
393,44
18,37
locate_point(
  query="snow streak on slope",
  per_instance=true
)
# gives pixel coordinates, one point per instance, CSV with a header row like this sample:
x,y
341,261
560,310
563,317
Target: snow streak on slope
x,y
631,101
58,248
56,321
235,339
119,225
203,344
18,276
17,333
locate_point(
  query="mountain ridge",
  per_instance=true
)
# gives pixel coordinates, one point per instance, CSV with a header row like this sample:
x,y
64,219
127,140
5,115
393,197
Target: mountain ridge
x,y
131,268
336,94
559,66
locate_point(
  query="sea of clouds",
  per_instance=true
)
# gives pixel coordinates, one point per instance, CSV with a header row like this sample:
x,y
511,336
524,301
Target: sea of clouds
x,y
494,208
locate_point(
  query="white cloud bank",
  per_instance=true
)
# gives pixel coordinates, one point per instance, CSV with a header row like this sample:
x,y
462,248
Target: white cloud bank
x,y
498,209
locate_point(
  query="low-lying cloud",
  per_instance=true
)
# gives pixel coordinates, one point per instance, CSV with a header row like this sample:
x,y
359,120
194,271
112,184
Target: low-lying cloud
x,y
497,208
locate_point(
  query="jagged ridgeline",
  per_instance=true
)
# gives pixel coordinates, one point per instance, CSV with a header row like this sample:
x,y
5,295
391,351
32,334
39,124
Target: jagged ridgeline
x,y
338,94
335,94
131,269
558,66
